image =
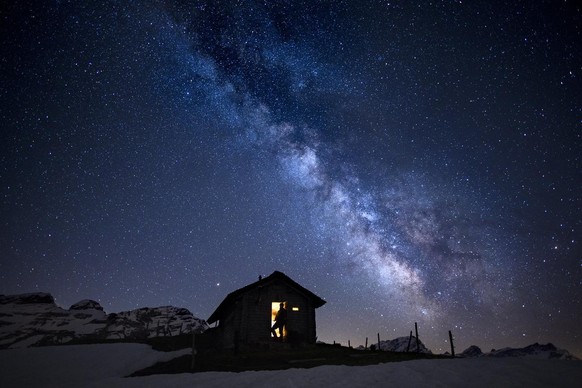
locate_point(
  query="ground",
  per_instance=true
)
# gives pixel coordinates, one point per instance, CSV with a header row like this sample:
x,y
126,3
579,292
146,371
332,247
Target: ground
x,y
105,365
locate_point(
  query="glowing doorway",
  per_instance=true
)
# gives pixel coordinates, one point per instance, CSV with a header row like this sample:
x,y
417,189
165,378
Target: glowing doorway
x,y
275,307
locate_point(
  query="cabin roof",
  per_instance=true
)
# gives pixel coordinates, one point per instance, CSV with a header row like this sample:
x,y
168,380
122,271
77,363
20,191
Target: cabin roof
x,y
230,298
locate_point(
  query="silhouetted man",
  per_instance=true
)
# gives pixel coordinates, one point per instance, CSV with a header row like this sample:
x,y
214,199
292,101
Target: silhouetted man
x,y
280,321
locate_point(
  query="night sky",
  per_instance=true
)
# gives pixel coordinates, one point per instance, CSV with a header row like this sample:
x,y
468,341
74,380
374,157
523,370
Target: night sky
x,y
405,161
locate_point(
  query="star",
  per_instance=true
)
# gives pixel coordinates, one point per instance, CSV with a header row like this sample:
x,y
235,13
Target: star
x,y
422,162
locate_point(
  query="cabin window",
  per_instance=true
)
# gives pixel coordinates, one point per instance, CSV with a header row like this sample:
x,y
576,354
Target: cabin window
x,y
295,308
275,307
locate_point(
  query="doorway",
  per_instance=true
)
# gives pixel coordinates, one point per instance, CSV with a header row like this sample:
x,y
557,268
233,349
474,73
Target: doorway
x,y
275,306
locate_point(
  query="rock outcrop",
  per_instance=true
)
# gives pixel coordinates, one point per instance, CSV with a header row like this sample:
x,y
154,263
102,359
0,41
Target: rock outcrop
x,y
36,320
472,351
400,344
86,304
547,351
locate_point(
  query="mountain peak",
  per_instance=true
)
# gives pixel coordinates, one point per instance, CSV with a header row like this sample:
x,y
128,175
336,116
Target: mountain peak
x,y
31,298
86,304
472,351
535,350
401,344
35,320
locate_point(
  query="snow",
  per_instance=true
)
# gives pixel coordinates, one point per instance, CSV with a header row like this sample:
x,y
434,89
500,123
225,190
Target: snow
x,y
402,344
26,342
33,319
22,321
105,365
76,365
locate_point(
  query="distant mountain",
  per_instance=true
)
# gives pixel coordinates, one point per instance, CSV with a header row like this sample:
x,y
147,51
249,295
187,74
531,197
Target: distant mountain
x,y
472,351
400,344
548,351
35,320
534,351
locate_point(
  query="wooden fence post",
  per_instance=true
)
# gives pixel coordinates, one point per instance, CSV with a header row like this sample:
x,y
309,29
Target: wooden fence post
x,y
366,343
409,340
452,346
378,341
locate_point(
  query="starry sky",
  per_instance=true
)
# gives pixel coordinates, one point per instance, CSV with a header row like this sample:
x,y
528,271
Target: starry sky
x,y
406,161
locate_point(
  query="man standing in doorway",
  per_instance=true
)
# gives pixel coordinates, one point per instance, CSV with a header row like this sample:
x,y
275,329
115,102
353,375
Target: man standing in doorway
x,y
280,321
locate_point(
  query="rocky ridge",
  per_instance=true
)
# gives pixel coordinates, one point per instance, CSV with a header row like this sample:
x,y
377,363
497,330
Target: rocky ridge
x,y
547,351
399,344
35,320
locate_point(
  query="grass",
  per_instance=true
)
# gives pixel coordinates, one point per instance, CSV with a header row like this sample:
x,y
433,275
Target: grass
x,y
275,359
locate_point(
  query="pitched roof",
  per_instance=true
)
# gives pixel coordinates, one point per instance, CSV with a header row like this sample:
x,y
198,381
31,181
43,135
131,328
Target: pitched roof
x,y
230,298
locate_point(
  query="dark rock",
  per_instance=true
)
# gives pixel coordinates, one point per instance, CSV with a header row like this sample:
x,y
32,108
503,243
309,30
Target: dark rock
x,y
86,304
400,344
33,298
35,320
472,351
547,351
82,316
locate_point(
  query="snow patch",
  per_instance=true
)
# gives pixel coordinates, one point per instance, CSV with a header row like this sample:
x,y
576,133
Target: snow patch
x,y
105,365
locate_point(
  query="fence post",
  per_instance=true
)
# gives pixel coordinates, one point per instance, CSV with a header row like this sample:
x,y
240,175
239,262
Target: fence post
x,y
366,343
409,340
378,341
452,346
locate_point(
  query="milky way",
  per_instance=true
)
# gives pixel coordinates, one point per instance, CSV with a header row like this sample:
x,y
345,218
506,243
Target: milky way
x,y
406,162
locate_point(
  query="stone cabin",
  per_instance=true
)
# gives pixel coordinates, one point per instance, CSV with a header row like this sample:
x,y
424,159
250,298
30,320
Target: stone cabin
x,y
245,316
